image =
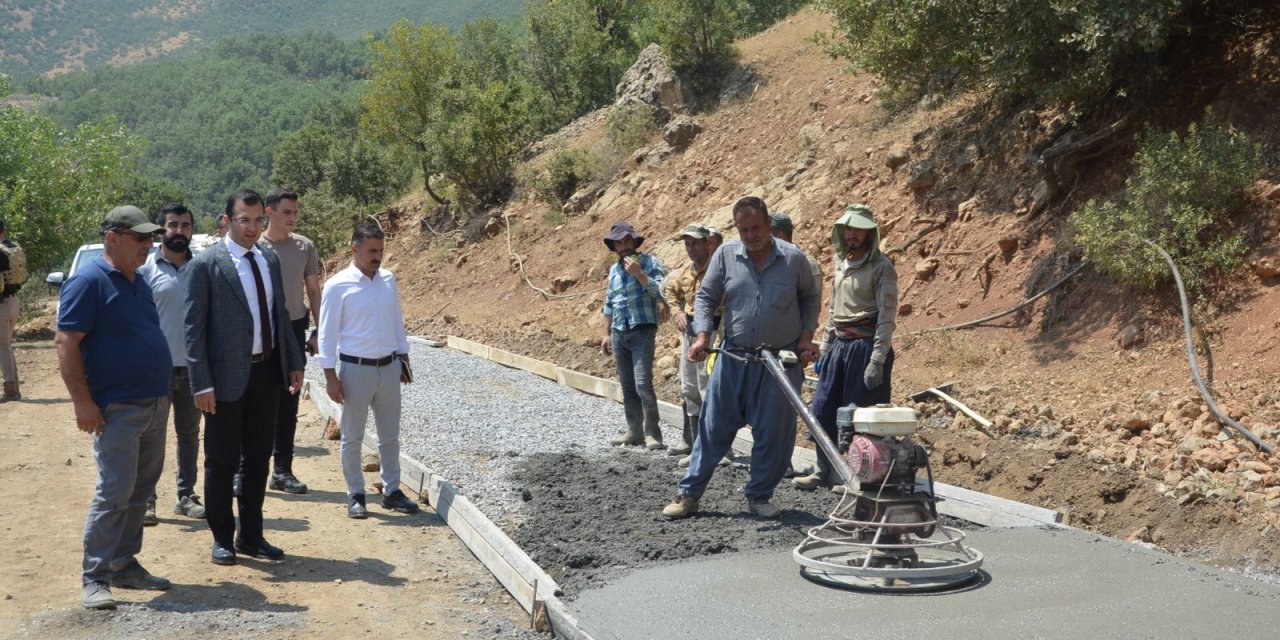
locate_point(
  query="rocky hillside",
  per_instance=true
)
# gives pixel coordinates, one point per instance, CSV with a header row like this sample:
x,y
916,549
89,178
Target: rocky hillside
x,y
1089,388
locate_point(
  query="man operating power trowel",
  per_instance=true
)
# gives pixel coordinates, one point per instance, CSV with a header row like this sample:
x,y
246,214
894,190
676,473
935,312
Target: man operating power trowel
x,y
857,354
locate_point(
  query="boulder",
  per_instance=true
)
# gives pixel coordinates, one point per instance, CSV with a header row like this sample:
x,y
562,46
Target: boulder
x,y
922,177
1211,459
652,81
493,225
1136,424
563,283
1265,267
679,133
925,269
896,157
1008,244
1130,336
580,201
369,462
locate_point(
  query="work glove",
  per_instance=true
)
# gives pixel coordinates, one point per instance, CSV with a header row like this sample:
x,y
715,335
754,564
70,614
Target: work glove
x,y
873,375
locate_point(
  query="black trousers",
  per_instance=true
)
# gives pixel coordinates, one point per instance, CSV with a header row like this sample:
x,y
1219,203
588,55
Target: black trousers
x,y
246,426
287,417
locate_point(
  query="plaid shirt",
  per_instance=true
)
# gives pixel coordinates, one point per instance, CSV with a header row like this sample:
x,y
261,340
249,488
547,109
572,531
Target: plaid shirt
x,y
628,304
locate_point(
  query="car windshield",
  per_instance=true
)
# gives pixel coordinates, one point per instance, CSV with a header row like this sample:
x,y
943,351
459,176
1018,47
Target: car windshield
x,y
87,254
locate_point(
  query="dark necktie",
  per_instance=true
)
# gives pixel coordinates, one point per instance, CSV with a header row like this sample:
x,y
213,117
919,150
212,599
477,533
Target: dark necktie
x,y
264,312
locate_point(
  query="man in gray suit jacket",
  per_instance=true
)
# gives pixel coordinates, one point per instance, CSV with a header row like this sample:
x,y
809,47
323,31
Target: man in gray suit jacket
x,y
240,351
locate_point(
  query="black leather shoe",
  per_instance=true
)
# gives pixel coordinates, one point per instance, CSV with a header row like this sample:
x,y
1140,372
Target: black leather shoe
x,y
237,485
397,501
263,548
223,555
356,508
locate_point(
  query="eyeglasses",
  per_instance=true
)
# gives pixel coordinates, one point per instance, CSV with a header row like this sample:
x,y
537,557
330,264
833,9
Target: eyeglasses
x,y
249,222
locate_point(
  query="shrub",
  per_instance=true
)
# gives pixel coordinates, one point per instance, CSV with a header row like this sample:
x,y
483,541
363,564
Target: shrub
x,y
628,126
565,173
1182,191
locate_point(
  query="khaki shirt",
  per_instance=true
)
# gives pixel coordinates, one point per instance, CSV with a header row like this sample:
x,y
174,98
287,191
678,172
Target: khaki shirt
x,y
298,259
863,289
683,289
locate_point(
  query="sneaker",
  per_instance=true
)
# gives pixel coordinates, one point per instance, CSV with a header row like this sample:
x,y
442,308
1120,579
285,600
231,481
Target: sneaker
x,y
654,444
356,508
763,508
150,519
626,439
397,501
137,577
288,483
97,595
682,507
190,507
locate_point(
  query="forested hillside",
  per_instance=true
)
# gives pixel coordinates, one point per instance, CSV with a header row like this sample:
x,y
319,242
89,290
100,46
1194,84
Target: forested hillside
x,y
210,121
39,37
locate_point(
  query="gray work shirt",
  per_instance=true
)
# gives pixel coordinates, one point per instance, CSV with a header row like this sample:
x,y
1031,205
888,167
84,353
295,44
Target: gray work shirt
x,y
768,306
170,293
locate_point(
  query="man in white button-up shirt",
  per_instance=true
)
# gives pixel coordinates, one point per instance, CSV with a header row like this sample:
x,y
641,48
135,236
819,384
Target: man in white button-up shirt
x,y
362,343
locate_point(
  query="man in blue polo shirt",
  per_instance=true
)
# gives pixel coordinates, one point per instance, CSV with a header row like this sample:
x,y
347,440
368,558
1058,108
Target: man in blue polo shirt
x,y
116,365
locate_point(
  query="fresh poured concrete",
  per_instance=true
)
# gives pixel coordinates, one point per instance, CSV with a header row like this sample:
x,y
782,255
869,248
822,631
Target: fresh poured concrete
x,y
1038,583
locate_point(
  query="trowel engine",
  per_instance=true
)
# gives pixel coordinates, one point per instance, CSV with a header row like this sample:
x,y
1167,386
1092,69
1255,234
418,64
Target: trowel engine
x,y
880,452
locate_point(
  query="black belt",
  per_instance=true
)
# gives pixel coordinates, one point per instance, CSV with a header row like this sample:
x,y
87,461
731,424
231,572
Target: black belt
x,y
261,357
369,362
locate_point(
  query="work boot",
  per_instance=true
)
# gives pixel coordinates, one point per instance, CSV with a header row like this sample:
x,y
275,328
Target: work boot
x,y
190,507
288,483
150,519
763,508
682,507
627,439
654,444
820,478
686,439
11,392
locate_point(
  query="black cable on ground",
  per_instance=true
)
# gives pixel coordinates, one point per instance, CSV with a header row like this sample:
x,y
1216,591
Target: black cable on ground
x,y
1191,357
1013,309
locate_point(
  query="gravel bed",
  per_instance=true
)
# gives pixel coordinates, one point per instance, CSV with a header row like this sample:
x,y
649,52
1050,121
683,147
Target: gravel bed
x,y
163,620
471,420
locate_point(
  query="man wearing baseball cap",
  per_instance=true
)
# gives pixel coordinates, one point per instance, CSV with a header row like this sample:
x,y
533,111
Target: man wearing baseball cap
x,y
116,365
681,292
631,307
857,353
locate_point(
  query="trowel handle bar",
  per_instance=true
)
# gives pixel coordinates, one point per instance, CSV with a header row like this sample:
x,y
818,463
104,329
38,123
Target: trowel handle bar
x,y
753,356
825,446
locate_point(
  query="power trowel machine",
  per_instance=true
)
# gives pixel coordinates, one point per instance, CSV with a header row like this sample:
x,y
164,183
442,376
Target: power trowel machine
x,y
884,535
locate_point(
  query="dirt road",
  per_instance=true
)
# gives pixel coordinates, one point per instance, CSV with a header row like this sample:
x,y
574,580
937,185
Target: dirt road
x,y
391,576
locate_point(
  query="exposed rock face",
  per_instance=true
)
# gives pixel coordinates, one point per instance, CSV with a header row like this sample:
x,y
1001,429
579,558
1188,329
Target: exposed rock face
x,y
651,81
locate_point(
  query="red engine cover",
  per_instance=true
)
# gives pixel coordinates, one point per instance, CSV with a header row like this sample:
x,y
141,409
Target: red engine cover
x,y
869,458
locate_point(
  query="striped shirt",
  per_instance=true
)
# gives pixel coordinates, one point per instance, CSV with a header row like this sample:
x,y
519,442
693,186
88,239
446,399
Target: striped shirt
x,y
628,304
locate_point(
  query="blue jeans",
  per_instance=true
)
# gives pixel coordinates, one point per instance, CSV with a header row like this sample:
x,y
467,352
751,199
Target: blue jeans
x,y
130,457
739,394
633,351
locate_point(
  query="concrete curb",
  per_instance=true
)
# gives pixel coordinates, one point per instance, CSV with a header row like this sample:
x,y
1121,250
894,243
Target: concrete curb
x,y
956,501
535,591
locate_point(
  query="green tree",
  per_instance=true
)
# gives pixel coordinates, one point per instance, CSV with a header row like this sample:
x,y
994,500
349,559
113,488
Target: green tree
x,y
413,69
366,172
478,147
56,184
1060,51
578,51
299,159
696,34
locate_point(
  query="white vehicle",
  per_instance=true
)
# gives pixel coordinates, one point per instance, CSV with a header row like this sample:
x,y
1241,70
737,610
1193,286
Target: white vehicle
x,y
87,252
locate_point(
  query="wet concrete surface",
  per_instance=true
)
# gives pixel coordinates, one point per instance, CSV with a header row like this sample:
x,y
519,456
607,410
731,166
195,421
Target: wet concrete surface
x,y
1037,583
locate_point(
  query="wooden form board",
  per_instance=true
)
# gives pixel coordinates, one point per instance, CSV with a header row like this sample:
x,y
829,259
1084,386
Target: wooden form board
x,y
527,583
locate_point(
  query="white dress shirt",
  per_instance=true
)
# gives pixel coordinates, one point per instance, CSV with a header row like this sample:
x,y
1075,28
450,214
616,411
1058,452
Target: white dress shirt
x,y
360,316
245,272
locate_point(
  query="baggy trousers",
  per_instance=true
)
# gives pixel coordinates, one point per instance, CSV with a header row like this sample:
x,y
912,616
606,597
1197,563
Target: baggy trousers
x,y
130,457
739,394
841,381
367,387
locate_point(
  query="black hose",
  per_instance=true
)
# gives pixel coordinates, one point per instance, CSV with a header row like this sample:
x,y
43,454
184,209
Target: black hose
x,y
1191,356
